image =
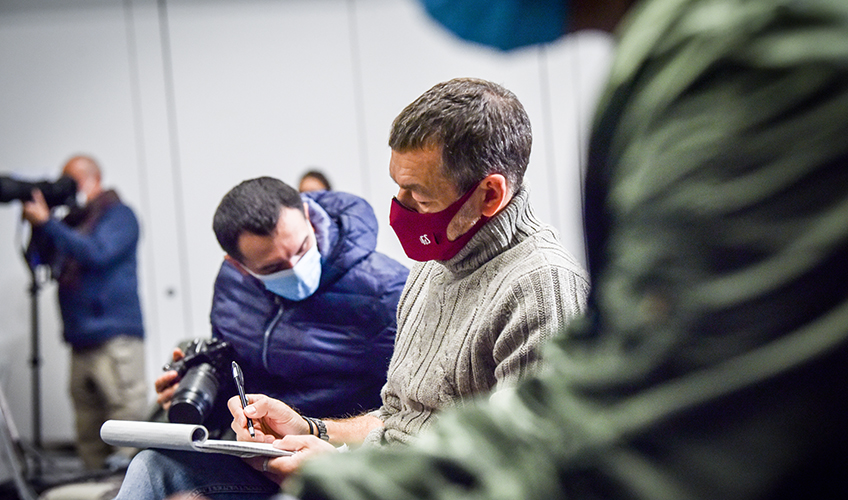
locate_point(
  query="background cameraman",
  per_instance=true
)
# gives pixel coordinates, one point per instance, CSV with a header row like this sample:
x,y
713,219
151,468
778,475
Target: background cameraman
x,y
92,254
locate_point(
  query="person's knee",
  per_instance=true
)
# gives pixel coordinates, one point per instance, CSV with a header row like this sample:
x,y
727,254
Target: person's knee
x,y
143,475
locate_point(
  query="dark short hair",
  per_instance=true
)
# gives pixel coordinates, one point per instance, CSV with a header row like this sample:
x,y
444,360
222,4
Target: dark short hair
x,y
319,176
253,206
481,127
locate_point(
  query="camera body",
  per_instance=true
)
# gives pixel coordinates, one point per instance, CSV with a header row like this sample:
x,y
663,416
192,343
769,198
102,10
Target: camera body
x,y
61,192
206,365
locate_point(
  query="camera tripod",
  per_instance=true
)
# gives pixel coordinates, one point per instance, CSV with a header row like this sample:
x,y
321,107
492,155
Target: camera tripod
x,y
32,467
39,275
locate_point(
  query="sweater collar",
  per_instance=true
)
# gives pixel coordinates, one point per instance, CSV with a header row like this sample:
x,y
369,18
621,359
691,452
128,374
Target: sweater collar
x,y
501,232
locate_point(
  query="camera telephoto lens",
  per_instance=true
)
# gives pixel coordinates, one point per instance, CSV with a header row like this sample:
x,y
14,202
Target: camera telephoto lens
x,y
194,397
60,192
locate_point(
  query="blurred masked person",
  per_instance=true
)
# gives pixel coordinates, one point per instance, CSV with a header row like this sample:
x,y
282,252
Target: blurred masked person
x,y
92,253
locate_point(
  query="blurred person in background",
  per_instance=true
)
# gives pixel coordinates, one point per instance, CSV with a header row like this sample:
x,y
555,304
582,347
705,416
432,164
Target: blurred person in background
x,y
314,180
92,254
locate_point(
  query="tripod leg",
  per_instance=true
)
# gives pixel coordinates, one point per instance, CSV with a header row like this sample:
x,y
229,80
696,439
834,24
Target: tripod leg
x,y
11,448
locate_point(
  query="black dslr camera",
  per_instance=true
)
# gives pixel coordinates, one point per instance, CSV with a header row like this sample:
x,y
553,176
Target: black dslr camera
x,y
206,365
61,192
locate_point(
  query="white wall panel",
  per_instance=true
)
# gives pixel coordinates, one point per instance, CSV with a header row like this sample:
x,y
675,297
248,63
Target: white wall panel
x,y
168,291
577,68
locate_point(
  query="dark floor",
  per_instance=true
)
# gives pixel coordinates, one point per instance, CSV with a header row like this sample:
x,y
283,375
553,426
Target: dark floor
x,y
52,467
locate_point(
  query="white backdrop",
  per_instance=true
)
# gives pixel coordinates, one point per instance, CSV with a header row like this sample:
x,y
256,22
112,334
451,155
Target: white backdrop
x,y
180,100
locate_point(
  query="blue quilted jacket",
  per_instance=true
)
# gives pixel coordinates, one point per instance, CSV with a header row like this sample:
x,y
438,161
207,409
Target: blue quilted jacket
x,y
326,355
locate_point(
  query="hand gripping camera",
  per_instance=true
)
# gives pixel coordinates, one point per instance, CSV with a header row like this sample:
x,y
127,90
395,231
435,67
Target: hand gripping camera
x,y
205,366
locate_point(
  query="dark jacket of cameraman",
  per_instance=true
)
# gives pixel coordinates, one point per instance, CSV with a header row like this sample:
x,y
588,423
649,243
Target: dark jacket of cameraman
x,y
92,252
326,355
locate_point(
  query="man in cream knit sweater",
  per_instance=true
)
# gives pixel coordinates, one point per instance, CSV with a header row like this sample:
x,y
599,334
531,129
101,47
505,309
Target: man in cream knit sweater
x,y
493,283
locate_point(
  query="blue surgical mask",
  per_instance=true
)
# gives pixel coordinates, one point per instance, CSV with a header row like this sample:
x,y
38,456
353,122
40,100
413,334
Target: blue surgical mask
x,y
505,24
296,283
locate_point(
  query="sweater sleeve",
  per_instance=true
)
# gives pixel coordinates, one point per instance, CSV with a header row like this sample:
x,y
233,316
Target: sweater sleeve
x,y
536,307
116,233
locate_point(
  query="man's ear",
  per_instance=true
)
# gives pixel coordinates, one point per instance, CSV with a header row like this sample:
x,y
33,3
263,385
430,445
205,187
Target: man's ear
x,y
306,211
496,194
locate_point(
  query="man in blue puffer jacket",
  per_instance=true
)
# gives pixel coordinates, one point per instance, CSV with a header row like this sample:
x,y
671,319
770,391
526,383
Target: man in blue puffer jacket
x,y
306,302
323,346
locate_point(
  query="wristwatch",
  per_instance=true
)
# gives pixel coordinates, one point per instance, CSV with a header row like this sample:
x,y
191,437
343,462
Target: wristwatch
x,y
322,429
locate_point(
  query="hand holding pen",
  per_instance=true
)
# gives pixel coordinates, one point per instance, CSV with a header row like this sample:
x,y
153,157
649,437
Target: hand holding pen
x,y
238,377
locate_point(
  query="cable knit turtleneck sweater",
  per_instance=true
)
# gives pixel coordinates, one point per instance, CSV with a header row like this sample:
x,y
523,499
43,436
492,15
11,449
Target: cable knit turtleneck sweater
x,y
474,323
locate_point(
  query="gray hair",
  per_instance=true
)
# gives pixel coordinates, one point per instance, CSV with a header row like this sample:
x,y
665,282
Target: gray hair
x,y
480,126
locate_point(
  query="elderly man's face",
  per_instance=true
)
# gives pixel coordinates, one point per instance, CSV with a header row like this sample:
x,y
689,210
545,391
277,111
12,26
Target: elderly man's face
x,y
280,250
421,185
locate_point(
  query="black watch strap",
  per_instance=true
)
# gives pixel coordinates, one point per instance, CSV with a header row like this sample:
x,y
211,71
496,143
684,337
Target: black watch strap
x,y
322,429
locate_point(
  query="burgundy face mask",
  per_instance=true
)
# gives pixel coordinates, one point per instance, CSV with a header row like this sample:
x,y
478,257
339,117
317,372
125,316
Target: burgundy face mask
x,y
424,236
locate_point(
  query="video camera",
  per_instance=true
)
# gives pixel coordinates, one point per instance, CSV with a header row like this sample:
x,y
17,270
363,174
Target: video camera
x,y
207,364
61,192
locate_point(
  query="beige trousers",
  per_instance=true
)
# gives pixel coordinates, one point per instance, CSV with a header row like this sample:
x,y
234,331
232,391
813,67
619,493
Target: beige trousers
x,y
107,382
